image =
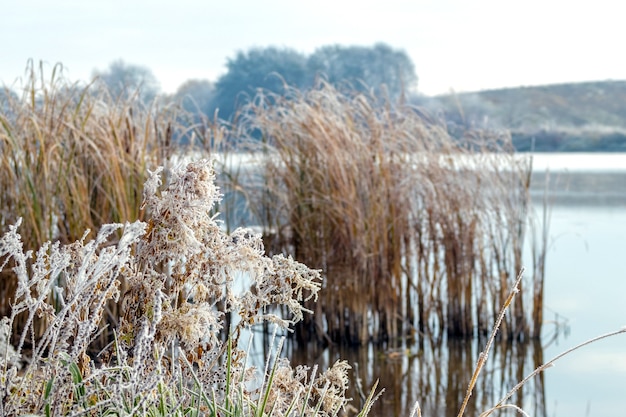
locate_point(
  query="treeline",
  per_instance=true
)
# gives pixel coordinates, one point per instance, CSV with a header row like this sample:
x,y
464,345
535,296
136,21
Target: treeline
x,y
587,116
378,69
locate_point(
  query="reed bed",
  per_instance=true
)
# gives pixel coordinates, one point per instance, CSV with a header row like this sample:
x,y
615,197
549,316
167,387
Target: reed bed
x,y
415,231
73,159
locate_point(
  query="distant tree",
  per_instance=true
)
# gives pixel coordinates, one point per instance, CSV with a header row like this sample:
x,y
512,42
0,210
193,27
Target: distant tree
x,y
125,80
355,67
196,96
259,68
361,67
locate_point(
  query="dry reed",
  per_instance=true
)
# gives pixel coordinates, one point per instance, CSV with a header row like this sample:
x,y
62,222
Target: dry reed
x,y
73,159
414,230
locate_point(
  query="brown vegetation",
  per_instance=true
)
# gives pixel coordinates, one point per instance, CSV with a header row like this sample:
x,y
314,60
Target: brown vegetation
x,y
414,230
168,356
74,159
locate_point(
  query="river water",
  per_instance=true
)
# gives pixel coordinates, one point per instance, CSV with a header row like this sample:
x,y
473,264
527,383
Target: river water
x,y
585,296
586,283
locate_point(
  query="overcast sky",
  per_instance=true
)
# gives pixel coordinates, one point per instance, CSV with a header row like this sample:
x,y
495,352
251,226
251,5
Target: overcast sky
x,y
463,45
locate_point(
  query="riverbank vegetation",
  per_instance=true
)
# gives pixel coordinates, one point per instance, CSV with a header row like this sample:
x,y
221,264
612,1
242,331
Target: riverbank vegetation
x,y
416,231
406,231
176,350
74,159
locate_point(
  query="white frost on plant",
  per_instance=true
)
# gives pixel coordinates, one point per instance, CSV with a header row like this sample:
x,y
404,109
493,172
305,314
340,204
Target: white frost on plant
x,y
177,271
8,355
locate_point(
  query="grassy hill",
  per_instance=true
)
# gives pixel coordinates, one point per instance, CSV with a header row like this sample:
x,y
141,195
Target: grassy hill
x,y
589,116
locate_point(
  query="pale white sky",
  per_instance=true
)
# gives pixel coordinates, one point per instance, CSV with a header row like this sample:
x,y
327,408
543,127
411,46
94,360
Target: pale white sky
x,y
463,45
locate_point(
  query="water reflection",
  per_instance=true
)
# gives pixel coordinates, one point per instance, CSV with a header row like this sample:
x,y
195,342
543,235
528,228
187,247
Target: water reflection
x,y
580,189
436,372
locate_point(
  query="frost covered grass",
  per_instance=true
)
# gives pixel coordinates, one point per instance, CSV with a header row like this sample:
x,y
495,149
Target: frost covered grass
x,y
73,158
175,352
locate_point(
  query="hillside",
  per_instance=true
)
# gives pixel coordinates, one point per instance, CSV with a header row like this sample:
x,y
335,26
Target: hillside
x,y
588,116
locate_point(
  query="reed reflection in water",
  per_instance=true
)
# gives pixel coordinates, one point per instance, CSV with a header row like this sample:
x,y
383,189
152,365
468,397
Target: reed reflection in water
x,y
436,372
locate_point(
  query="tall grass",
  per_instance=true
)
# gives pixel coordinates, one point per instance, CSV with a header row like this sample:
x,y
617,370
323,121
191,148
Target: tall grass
x,y
414,230
168,357
74,159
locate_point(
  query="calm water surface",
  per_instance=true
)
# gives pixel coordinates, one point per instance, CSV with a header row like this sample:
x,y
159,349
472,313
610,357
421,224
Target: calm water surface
x,y
585,296
586,283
